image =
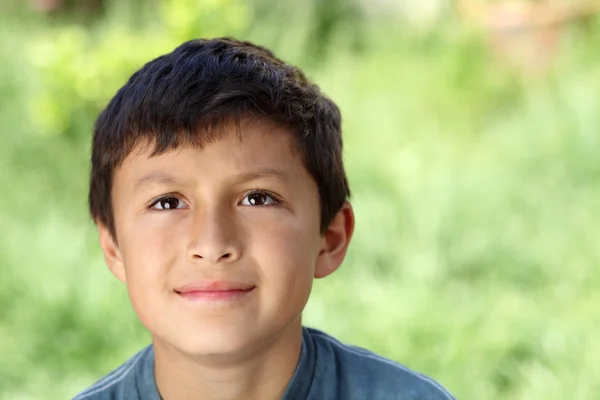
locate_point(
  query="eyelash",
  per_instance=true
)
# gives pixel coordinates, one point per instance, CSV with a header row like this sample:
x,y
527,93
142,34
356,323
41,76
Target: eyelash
x,y
158,199
275,198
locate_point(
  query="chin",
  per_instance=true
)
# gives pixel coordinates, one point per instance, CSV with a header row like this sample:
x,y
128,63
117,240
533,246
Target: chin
x,y
215,344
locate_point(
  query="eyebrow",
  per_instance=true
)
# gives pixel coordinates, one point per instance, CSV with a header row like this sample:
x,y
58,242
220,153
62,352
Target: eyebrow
x,y
155,177
263,173
163,178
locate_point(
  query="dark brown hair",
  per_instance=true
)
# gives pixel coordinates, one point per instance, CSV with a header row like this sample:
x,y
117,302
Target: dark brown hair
x,y
203,84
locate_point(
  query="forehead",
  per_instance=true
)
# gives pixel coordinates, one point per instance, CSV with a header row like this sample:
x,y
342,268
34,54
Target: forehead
x,y
247,145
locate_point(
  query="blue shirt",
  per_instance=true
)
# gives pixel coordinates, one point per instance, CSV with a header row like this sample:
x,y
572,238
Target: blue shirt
x,y
327,370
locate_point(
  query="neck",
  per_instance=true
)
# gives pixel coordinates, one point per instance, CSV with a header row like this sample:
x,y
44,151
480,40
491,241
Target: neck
x,y
261,374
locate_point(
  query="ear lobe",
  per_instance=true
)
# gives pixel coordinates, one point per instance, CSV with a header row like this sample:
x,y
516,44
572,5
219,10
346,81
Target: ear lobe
x,y
335,242
112,254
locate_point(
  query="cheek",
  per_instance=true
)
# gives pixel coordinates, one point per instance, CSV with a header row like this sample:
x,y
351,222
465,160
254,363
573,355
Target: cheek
x,y
150,248
286,252
149,251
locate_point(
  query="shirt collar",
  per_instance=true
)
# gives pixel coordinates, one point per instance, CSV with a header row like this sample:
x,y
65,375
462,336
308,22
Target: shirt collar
x,y
300,384
297,389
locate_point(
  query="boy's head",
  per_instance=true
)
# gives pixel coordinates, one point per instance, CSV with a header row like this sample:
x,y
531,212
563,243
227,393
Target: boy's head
x,y
185,97
219,191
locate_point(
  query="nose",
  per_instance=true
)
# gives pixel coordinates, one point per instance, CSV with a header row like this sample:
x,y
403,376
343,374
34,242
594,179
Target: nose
x,y
213,237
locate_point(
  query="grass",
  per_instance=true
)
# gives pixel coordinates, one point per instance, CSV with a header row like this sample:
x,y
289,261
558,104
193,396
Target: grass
x,y
474,259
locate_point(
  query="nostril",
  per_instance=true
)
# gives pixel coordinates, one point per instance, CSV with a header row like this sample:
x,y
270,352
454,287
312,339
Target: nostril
x,y
230,256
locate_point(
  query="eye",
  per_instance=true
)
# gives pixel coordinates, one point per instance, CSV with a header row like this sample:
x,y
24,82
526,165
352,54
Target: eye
x,y
258,198
167,203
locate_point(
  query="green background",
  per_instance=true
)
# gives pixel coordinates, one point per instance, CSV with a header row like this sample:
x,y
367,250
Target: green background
x,y
475,186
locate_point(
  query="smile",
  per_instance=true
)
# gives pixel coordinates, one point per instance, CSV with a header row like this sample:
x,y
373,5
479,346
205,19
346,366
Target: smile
x,y
214,291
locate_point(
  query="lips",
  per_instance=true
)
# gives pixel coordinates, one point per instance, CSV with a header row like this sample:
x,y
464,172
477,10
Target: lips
x,y
214,290
214,286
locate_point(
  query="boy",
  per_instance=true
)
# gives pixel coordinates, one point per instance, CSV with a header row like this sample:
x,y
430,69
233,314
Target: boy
x,y
219,192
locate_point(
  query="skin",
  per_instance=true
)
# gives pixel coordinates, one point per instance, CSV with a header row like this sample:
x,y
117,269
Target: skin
x,y
219,228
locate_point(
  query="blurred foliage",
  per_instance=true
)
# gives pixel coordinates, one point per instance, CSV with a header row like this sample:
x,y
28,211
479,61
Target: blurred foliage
x,y
475,187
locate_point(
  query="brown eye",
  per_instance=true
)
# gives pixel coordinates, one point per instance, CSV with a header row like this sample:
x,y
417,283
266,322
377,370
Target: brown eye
x,y
168,203
258,199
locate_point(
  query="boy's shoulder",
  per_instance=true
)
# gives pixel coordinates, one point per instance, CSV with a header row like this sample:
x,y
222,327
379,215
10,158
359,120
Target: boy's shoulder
x,y
327,369
131,381
362,374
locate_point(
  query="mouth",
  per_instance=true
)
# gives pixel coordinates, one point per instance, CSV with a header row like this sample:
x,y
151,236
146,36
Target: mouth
x,y
214,291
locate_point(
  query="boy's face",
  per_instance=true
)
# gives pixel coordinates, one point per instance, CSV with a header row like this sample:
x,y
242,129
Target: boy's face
x,y
218,246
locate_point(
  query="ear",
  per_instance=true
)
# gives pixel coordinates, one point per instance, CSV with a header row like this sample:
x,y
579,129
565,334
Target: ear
x,y
112,254
335,242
